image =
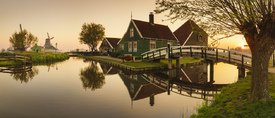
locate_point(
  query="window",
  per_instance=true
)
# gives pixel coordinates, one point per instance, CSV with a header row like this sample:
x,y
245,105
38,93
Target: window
x,y
135,46
130,47
131,32
152,45
135,77
132,88
200,38
122,46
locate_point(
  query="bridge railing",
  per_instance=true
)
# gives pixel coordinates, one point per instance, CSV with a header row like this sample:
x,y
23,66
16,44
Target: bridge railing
x,y
155,53
203,51
214,52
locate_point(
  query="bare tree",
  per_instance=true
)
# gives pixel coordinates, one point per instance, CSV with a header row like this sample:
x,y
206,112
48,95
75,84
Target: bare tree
x,y
255,19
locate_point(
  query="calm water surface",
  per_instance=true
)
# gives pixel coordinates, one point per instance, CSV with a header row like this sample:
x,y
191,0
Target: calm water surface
x,y
79,89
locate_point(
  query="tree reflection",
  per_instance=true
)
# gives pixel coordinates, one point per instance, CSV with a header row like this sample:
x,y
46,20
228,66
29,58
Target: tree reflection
x,y
25,76
91,77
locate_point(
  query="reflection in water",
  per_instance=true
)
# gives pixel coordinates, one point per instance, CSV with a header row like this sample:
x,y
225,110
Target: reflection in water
x,y
108,69
188,81
91,77
54,65
139,87
25,76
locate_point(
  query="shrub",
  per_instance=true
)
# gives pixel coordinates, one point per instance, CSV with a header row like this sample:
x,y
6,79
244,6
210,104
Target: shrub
x,y
114,54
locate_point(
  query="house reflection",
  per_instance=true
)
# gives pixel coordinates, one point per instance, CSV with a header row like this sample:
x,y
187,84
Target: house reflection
x,y
139,87
190,81
107,69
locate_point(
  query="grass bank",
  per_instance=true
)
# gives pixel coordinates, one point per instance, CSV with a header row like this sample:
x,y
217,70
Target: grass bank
x,y
10,63
48,57
233,103
37,58
148,64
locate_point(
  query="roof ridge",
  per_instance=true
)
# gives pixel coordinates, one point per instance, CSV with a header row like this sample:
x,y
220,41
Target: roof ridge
x,y
149,22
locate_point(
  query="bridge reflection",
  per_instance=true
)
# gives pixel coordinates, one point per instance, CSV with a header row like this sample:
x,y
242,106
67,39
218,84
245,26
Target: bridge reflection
x,y
194,81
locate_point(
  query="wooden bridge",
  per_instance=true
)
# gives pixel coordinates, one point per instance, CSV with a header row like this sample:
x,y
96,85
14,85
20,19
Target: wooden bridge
x,y
241,59
25,59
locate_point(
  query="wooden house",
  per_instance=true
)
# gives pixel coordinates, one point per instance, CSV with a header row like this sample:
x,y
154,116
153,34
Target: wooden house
x,y
109,44
37,48
143,36
191,34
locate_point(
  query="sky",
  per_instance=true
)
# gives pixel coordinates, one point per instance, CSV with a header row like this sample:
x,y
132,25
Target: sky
x,y
63,19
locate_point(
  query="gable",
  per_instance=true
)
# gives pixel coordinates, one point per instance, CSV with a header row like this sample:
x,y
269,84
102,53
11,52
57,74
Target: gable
x,y
184,32
112,42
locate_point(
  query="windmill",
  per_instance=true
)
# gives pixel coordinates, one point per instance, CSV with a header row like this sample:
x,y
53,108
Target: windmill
x,y
48,45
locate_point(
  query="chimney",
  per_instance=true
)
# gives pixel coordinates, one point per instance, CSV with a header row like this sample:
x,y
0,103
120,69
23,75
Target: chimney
x,y
151,18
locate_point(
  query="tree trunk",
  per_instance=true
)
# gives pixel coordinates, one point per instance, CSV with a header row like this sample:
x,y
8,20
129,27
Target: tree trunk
x,y
260,84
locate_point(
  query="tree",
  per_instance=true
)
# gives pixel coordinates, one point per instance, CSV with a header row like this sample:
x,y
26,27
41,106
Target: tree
x,y
25,76
91,77
255,19
91,34
22,40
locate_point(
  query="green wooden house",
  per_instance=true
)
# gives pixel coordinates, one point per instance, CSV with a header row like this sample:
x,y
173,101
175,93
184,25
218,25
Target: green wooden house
x,y
191,34
37,48
109,44
143,36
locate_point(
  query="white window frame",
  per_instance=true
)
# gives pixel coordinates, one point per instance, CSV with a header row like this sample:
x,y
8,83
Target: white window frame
x,y
151,46
131,32
135,48
130,46
122,46
132,88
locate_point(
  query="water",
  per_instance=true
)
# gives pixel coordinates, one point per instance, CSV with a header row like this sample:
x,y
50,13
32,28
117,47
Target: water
x,y
75,88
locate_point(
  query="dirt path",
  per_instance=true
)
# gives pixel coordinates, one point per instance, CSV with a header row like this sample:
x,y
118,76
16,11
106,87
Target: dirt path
x,y
271,70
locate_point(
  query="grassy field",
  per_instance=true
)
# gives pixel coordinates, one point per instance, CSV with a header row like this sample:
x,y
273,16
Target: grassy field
x,y
37,58
233,103
48,57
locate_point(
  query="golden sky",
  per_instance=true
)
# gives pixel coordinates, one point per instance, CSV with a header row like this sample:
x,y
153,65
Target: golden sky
x,y
63,19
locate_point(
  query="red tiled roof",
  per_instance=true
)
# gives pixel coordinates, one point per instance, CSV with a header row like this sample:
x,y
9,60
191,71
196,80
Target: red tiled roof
x,y
183,32
155,31
113,41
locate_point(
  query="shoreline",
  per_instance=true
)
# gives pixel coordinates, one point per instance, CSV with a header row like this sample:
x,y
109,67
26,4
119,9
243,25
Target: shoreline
x,y
122,66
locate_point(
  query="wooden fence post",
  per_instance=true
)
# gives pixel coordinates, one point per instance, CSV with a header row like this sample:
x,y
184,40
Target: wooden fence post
x,y
229,56
191,52
201,53
217,54
205,53
153,55
180,51
159,54
242,60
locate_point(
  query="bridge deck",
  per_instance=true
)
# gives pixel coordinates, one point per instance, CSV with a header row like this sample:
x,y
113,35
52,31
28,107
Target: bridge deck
x,y
213,53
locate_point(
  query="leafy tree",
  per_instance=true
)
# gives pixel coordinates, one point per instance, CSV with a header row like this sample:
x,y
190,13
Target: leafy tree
x,y
255,19
22,40
91,34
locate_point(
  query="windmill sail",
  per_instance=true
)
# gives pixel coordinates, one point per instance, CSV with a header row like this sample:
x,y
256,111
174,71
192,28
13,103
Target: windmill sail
x,y
48,45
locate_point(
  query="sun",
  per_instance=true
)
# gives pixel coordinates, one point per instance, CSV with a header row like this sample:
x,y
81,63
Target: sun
x,y
242,46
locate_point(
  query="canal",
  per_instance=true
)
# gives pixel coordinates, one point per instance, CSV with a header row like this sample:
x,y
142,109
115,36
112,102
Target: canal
x,y
79,88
